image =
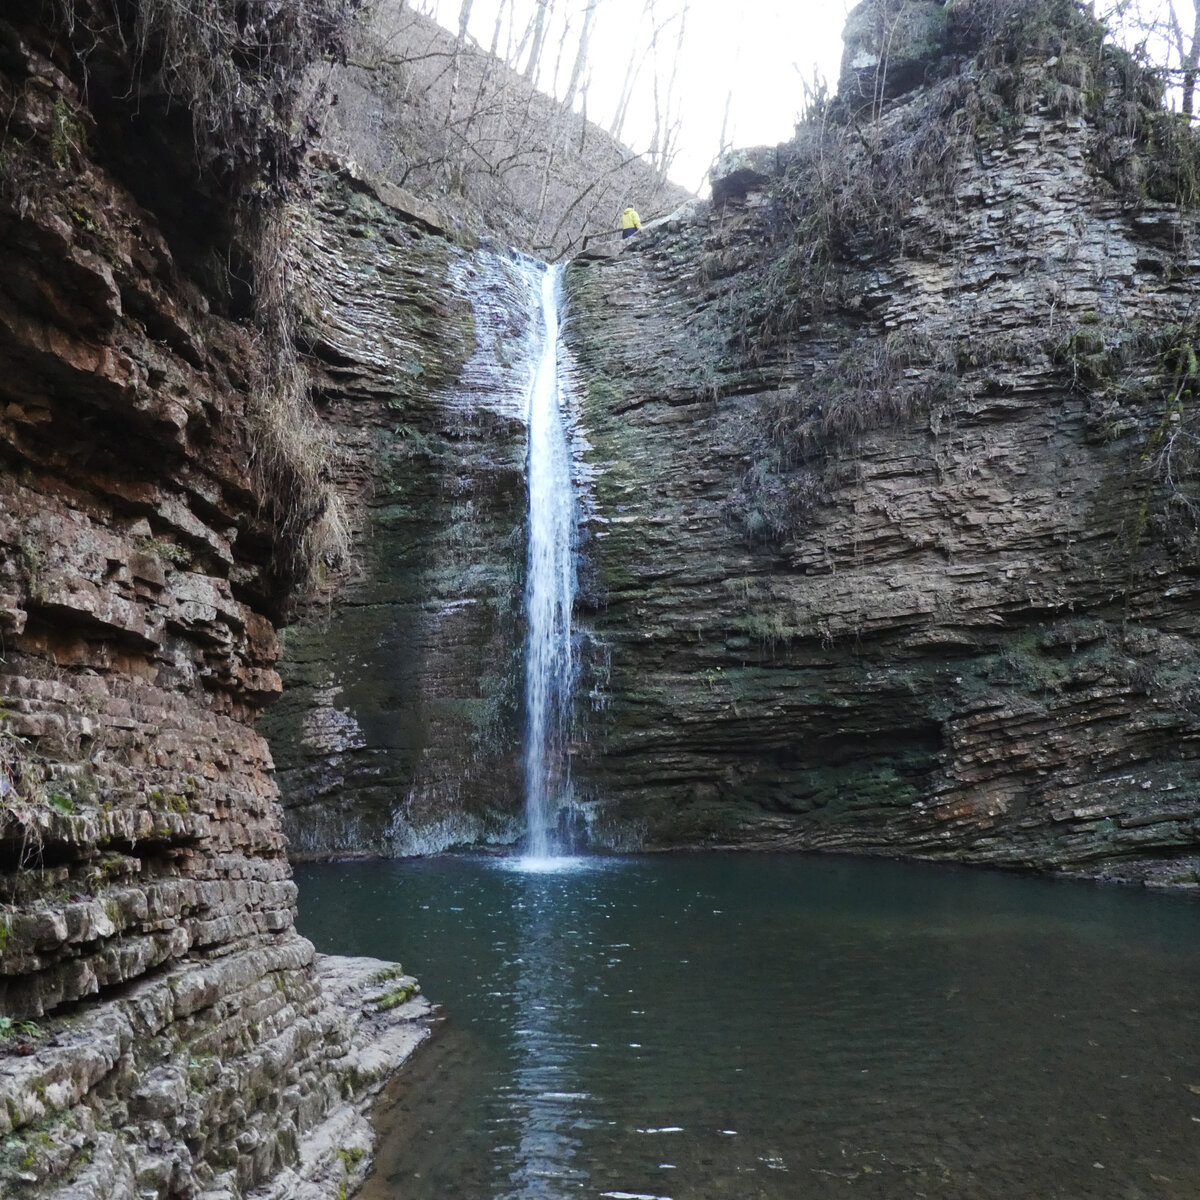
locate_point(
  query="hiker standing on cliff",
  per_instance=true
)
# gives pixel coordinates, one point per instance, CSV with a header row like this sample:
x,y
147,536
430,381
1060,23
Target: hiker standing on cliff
x,y
630,222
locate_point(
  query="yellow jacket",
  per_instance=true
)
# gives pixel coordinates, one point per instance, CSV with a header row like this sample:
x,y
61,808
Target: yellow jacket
x,y
630,219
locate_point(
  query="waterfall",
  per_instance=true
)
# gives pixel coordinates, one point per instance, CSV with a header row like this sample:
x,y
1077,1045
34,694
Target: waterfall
x,y
549,586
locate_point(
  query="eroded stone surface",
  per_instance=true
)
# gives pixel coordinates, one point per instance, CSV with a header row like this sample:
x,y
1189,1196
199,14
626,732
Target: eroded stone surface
x,y
399,728
975,636
172,1034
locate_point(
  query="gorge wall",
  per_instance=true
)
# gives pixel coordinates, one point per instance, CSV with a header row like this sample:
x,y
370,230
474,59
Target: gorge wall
x,y
889,543
886,462
164,1031
895,546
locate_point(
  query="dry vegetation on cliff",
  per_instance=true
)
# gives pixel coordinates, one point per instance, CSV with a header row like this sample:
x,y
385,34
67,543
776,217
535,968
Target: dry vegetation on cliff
x,y
865,182
234,69
208,100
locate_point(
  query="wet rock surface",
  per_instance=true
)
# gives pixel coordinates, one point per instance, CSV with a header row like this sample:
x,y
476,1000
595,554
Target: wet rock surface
x,y
398,731
962,629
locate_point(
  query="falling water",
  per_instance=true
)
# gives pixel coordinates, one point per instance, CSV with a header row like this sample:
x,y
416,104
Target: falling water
x,y
549,587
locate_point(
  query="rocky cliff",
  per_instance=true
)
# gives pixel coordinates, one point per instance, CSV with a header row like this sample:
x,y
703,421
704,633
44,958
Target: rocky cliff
x,y
895,540
887,462
399,727
163,1029
890,538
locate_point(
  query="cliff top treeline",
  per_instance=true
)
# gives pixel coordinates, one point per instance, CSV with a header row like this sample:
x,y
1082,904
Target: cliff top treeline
x,y
451,122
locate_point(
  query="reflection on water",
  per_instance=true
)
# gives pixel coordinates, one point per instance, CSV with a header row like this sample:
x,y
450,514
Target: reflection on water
x,y
724,1026
544,1098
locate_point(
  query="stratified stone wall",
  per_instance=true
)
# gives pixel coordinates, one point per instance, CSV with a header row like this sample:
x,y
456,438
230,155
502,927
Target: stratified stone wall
x,y
975,635
399,728
166,1031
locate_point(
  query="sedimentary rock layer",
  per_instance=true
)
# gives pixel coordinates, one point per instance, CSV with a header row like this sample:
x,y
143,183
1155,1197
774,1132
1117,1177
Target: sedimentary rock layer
x,y
399,725
165,1030
906,576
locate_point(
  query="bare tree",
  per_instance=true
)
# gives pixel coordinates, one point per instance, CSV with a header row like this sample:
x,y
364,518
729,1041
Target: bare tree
x,y
666,122
501,8
539,37
1164,34
581,53
464,17
632,70
1188,49
672,121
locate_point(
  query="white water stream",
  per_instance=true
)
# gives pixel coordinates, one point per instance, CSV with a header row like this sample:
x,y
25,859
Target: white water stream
x,y
549,583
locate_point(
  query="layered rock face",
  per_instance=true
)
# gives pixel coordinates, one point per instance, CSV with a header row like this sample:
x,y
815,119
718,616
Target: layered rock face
x,y
399,729
906,569
165,1030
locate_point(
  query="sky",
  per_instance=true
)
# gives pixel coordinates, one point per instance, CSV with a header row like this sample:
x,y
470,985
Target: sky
x,y
760,50
757,53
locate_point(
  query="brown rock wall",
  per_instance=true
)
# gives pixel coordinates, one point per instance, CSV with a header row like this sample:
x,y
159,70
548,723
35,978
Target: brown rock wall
x,y
166,1031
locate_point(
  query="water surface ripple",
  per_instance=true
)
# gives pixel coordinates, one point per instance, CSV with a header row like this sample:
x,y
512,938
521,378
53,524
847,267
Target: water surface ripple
x,y
752,1026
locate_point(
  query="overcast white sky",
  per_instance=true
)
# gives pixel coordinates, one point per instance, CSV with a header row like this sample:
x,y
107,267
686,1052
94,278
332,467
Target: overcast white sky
x,y
761,50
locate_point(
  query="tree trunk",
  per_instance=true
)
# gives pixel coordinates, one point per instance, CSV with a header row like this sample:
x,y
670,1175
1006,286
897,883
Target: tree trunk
x,y
633,69
1190,65
464,15
581,53
671,119
495,46
539,38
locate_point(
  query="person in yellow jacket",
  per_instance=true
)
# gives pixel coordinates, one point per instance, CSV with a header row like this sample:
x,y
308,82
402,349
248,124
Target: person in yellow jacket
x,y
630,222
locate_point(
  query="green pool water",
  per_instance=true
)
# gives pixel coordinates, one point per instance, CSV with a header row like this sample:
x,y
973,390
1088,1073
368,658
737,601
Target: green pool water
x,y
757,1026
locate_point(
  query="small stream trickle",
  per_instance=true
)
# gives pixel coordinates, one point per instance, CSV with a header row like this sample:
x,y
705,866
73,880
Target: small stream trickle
x,y
550,583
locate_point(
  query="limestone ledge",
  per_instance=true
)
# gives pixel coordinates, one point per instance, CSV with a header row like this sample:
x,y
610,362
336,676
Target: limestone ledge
x,y
218,1074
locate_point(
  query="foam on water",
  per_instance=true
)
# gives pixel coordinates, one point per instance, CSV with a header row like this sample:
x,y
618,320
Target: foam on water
x,y
533,864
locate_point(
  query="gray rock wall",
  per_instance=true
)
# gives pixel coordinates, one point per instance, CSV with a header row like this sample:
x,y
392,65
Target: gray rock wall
x,y
906,581
399,727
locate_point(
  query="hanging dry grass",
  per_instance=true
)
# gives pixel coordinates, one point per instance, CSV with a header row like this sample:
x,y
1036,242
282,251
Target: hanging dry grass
x,y
237,68
291,452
